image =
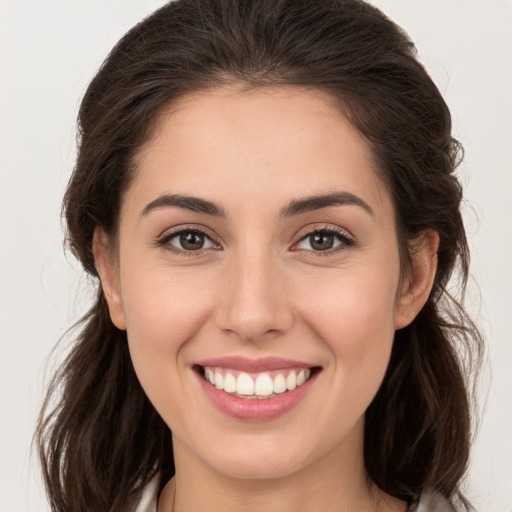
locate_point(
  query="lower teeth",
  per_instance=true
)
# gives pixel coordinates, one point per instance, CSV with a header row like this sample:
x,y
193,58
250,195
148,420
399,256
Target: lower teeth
x,y
253,397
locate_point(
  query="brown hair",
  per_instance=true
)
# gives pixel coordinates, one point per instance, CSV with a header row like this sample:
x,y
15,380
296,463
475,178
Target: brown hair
x,y
103,440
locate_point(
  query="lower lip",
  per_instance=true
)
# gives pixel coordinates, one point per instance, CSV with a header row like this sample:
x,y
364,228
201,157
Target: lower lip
x,y
254,409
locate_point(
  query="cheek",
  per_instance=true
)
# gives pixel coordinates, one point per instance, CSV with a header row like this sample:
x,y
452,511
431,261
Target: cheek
x,y
354,315
355,321
163,312
163,308
353,303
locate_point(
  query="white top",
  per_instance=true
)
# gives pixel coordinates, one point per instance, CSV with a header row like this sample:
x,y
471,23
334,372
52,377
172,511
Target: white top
x,y
148,500
429,502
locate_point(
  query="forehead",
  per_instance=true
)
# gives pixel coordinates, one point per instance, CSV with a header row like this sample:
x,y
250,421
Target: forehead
x,y
289,139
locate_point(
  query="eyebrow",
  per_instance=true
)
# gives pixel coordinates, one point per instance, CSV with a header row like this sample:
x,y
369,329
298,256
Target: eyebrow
x,y
296,207
309,204
194,204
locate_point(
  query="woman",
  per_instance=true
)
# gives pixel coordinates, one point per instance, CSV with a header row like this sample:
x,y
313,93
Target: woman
x,y
265,192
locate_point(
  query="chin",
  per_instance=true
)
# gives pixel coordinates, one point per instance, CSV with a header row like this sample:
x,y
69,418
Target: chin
x,y
258,458
263,468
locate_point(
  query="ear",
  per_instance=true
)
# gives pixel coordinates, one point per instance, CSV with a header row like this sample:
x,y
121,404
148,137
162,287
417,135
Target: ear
x,y
104,258
417,285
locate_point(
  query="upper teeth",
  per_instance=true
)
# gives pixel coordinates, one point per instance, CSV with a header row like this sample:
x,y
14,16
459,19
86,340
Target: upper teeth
x,y
256,384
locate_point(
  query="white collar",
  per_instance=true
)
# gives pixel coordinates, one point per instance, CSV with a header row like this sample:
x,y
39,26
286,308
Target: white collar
x,y
148,500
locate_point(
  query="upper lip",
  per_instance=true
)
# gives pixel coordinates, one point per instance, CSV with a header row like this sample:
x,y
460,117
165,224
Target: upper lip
x,y
246,364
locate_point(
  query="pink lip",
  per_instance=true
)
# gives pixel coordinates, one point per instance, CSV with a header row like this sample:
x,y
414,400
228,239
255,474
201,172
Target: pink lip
x,y
245,364
253,409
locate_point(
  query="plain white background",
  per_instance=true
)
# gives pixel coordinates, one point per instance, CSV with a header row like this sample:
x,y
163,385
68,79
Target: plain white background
x,y
50,49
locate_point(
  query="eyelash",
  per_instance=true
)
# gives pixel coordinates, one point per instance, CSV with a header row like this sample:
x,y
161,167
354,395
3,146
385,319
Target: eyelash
x,y
167,237
345,240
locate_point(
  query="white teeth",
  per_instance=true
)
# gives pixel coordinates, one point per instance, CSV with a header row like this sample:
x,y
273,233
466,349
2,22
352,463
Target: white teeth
x,y
291,381
219,380
210,376
229,383
279,384
260,386
263,385
244,384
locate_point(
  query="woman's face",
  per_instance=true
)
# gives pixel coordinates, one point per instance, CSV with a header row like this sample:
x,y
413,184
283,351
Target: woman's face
x,y
256,248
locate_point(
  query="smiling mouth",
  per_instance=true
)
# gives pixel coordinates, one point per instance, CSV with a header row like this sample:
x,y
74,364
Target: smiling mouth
x,y
255,385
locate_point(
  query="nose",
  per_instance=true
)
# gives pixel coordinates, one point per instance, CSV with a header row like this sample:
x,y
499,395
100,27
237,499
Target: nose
x,y
254,301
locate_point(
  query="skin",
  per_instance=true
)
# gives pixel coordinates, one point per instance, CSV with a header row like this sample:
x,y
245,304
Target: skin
x,y
261,289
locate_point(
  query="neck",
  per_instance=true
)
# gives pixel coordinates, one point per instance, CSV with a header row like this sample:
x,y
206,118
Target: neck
x,y
338,482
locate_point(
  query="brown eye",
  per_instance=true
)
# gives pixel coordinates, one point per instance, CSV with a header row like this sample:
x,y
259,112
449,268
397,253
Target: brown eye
x,y
191,241
187,241
322,241
325,240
